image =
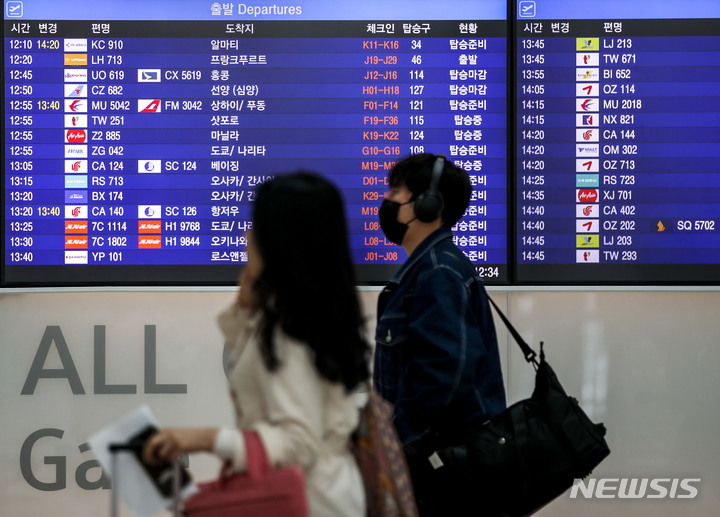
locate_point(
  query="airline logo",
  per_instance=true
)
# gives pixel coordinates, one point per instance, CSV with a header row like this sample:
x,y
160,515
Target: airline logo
x,y
76,75
587,105
75,106
75,90
587,241
76,212
582,120
587,165
76,257
589,150
587,195
146,75
76,167
79,182
587,226
587,44
149,211
148,242
587,90
587,59
76,60
587,180
587,256
587,210
76,45
587,74
76,226
75,136
76,151
76,197
76,242
76,121
149,166
149,226
587,135
149,105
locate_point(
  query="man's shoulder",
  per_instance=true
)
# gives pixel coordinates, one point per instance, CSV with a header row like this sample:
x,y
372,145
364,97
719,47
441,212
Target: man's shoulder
x,y
443,264
447,255
438,257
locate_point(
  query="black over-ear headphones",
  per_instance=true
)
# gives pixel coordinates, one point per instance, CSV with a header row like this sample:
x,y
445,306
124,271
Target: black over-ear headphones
x,y
430,203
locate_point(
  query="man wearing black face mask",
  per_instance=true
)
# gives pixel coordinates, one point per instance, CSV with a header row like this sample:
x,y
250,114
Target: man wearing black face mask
x,y
436,354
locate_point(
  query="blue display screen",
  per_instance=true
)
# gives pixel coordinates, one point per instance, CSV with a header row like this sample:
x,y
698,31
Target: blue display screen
x,y
134,137
617,142
136,132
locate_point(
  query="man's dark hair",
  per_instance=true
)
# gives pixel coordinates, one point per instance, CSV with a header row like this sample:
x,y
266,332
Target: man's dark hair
x,y
415,173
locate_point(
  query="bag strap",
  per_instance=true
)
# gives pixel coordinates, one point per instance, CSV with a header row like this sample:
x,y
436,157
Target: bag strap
x,y
529,353
257,461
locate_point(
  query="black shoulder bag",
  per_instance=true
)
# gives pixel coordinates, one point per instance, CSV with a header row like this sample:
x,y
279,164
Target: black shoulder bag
x,y
529,454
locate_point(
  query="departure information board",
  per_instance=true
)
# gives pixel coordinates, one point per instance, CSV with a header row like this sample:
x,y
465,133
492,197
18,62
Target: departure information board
x,y
617,142
134,137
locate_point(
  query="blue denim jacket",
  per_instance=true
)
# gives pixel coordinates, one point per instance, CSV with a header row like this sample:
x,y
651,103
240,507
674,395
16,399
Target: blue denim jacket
x,y
436,354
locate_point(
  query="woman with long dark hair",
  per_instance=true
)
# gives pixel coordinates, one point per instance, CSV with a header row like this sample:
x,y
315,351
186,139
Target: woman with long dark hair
x,y
296,349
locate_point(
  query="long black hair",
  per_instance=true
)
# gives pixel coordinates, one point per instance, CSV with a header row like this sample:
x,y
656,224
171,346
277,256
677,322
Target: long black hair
x,y
307,286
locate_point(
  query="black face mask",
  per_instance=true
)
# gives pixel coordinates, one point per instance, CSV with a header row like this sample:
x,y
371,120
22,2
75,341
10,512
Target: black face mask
x,y
388,214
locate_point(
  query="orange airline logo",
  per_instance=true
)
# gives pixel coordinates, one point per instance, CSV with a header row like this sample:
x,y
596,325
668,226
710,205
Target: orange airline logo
x,y
149,226
76,242
75,59
146,242
76,226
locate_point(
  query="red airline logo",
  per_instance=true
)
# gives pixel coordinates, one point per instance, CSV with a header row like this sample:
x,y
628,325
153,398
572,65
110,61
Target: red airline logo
x,y
149,105
75,136
587,195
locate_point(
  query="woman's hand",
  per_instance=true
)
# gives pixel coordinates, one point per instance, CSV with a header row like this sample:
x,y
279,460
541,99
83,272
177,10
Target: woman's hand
x,y
168,445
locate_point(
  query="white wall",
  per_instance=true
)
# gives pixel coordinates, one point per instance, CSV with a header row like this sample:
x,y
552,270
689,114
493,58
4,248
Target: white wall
x,y
643,362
